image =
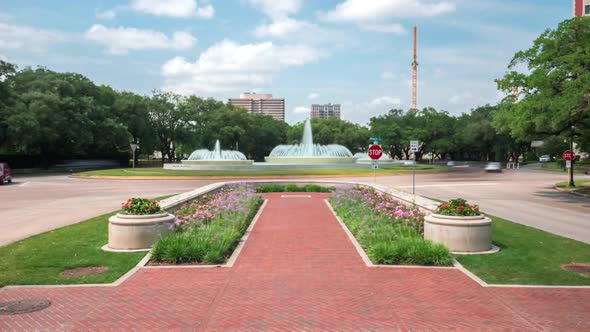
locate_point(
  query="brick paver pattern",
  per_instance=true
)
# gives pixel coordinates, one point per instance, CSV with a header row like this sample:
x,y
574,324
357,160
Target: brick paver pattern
x,y
299,271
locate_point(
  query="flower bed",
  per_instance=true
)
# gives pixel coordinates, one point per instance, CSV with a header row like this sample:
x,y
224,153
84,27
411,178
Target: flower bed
x,y
208,229
389,231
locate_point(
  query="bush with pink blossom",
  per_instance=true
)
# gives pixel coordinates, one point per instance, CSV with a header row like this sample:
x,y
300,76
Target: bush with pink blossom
x,y
391,232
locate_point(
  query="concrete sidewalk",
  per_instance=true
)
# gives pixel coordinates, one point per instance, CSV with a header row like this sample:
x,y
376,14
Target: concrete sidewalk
x,y
299,271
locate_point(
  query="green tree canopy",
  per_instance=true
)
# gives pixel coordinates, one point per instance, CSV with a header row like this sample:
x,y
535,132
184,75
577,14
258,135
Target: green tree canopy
x,y
553,85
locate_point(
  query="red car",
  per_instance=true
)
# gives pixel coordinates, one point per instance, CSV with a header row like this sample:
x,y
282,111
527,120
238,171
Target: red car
x,y
5,173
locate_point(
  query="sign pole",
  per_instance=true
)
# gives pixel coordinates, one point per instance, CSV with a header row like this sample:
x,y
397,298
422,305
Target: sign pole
x,y
573,157
414,147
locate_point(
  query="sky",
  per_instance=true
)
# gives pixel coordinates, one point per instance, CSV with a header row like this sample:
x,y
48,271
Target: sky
x,y
356,53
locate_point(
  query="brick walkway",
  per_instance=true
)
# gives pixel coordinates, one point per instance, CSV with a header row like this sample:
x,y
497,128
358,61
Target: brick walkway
x,y
299,271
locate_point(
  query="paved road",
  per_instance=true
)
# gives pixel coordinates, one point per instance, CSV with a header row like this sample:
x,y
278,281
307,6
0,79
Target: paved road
x,y
299,271
34,205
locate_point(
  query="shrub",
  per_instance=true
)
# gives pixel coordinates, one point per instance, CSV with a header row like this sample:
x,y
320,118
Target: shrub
x,y
457,207
390,231
140,206
410,251
208,228
274,188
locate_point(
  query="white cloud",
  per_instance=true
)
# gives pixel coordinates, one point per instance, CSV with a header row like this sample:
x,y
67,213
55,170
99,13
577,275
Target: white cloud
x,y
467,99
395,28
229,66
173,8
384,101
277,9
18,37
313,95
106,15
377,10
281,28
120,40
387,75
301,110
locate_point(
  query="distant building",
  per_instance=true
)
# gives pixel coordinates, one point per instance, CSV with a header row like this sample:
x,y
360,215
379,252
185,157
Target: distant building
x,y
581,7
325,111
257,103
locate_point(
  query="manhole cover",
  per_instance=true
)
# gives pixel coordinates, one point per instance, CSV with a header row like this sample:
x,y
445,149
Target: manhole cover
x,y
23,306
577,267
84,271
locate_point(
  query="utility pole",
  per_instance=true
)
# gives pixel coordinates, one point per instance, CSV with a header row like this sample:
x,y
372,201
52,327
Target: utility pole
x,y
415,73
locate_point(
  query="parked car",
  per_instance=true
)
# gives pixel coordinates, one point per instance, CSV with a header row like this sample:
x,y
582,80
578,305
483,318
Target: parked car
x,y
493,167
5,173
544,158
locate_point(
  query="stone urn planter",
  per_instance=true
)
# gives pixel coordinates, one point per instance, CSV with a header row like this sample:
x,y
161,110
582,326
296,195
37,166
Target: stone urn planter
x,y
137,232
461,234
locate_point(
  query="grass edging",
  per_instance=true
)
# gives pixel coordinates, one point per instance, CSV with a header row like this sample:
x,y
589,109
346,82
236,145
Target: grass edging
x,y
160,173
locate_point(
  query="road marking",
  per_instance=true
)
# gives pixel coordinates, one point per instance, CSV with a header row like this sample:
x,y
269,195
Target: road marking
x,y
452,185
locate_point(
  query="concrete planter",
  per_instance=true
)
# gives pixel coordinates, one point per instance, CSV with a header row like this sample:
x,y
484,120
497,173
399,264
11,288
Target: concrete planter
x,y
469,234
137,232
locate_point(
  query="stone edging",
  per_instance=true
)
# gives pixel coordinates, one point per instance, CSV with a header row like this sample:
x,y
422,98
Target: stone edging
x,y
571,192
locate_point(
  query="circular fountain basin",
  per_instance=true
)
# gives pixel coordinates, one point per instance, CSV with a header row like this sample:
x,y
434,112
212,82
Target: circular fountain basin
x,y
217,162
310,160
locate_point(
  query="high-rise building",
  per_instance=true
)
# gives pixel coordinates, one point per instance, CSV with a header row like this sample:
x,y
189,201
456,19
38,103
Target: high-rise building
x,y
581,7
257,103
325,111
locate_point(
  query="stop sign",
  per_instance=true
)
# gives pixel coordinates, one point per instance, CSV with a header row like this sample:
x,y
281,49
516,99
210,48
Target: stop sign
x,y
569,155
375,152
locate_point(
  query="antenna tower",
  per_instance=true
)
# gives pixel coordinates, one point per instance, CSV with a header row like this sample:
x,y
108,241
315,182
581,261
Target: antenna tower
x,y
415,73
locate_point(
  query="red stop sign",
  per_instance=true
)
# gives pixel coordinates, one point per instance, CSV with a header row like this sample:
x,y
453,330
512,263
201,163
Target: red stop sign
x,y
375,152
569,155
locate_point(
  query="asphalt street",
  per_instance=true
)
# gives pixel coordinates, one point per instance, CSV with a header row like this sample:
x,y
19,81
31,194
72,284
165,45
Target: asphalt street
x,y
36,204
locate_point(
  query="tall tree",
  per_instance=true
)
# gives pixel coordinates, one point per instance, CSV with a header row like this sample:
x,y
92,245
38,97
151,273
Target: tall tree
x,y
554,92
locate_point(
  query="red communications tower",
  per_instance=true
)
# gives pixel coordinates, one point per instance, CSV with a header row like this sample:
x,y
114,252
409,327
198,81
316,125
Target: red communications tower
x,y
415,73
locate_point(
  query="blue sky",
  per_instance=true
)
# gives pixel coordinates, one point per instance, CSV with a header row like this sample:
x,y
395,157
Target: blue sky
x,y
353,52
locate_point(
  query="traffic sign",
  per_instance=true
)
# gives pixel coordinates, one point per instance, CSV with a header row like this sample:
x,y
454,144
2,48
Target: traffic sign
x,y
569,155
375,164
413,146
568,164
375,152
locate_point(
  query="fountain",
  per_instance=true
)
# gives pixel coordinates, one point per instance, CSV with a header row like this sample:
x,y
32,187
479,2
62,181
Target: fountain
x,y
309,153
217,157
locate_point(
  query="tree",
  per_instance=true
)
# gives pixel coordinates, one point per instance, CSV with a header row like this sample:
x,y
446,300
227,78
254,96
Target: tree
x,y
6,97
554,93
168,120
57,115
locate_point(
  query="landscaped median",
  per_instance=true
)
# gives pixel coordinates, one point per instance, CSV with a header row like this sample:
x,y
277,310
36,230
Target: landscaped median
x,y
154,173
211,222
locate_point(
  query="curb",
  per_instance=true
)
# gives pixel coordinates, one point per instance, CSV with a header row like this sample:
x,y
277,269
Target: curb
x,y
571,192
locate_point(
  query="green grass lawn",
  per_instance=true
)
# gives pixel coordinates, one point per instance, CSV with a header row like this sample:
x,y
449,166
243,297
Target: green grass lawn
x,y
528,256
40,259
582,186
343,171
561,170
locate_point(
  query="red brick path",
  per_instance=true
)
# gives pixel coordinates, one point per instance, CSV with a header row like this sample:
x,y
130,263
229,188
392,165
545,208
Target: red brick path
x,y
299,271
